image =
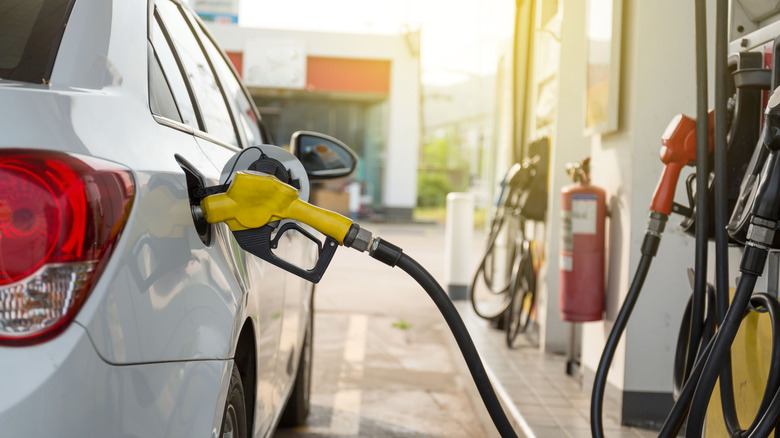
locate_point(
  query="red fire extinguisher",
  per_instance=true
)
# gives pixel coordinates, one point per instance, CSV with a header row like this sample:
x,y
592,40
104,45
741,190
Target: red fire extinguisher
x,y
584,209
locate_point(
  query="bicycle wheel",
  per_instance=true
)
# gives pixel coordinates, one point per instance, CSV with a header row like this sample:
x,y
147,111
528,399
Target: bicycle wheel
x,y
522,303
490,287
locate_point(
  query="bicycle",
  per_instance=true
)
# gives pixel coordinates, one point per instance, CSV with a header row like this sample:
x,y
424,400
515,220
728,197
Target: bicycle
x,y
523,293
508,267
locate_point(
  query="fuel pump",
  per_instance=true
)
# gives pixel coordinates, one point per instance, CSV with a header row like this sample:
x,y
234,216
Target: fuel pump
x,y
753,223
496,282
706,357
679,150
259,201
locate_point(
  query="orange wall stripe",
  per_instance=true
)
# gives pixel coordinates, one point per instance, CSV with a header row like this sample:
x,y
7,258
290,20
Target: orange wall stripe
x,y
353,75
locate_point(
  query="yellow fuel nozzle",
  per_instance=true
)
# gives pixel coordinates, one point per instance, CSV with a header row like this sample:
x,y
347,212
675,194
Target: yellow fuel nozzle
x,y
254,199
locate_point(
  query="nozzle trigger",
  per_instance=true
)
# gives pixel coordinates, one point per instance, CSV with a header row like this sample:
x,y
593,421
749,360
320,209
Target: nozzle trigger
x,y
259,242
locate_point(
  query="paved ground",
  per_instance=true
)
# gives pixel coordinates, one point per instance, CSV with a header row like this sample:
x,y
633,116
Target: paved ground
x,y
383,364
386,366
541,400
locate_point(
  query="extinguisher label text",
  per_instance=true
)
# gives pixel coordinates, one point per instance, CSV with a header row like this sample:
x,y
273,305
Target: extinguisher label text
x,y
567,241
566,237
583,213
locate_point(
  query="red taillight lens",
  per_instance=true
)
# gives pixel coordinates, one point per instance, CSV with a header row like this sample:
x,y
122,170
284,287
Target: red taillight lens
x,y
60,216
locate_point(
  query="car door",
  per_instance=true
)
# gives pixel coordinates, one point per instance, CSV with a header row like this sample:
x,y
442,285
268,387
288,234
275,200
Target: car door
x,y
220,137
292,247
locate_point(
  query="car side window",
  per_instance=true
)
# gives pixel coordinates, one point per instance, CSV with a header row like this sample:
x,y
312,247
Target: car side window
x,y
213,108
161,99
235,93
172,74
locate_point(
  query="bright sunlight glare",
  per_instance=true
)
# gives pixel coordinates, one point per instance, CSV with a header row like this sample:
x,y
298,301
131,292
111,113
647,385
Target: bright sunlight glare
x,y
460,39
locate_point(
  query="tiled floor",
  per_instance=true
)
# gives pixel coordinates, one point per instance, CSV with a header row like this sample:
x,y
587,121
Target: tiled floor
x,y
542,399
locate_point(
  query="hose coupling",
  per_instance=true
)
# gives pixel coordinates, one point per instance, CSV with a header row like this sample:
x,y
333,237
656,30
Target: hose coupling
x,y
357,238
385,252
656,223
753,259
761,231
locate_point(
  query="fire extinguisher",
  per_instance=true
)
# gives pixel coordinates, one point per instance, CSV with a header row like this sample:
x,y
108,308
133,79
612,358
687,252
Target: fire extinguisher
x,y
584,209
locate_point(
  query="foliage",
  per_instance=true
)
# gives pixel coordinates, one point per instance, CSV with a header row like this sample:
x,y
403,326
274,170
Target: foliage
x,y
443,154
432,189
443,169
402,325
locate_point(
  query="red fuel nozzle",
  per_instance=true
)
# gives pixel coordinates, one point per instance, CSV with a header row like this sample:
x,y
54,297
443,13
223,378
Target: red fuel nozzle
x,y
678,151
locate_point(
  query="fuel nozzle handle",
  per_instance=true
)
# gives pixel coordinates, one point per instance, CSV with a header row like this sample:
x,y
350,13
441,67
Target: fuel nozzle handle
x,y
255,199
678,151
252,207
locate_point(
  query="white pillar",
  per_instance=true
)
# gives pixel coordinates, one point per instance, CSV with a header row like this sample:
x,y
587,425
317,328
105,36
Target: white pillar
x,y
354,189
458,234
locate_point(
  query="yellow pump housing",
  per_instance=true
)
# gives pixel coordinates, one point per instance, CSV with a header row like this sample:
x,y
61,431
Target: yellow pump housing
x,y
255,199
750,357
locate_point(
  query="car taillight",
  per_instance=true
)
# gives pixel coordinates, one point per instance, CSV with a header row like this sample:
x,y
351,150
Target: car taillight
x,y
60,216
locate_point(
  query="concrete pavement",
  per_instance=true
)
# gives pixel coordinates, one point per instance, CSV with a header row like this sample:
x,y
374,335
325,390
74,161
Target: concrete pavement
x,y
383,364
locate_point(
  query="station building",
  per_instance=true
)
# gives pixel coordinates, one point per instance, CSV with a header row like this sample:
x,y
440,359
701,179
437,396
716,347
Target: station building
x,y
362,89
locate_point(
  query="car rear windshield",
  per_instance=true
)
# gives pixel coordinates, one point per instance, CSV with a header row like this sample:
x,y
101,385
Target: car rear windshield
x,y
30,34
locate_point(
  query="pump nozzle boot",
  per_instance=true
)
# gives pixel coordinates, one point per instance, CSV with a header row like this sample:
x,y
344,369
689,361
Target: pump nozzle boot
x,y
678,151
755,197
765,213
770,135
767,203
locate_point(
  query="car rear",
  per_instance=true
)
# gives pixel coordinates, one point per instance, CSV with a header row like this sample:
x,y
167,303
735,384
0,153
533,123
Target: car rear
x,y
96,245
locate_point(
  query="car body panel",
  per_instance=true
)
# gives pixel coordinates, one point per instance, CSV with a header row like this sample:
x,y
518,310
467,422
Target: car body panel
x,y
175,399
188,293
149,353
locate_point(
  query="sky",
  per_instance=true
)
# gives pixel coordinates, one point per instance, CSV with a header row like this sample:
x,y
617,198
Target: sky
x,y
460,38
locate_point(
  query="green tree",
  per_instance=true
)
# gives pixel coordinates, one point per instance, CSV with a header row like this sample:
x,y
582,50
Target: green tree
x,y
443,169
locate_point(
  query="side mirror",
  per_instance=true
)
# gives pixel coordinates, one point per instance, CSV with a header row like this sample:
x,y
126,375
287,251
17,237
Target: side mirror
x,y
322,156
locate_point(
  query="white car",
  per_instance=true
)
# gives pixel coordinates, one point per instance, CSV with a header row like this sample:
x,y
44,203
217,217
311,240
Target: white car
x,y
118,315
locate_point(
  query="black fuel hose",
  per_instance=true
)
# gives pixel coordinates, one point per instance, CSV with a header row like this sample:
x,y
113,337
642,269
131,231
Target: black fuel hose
x,y
699,318
392,255
720,208
765,210
764,213
721,349
649,249
485,271
678,414
682,371
702,183
767,417
768,412
506,208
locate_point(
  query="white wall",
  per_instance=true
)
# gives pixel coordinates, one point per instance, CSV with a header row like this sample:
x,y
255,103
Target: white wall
x,y
657,82
402,142
544,96
664,76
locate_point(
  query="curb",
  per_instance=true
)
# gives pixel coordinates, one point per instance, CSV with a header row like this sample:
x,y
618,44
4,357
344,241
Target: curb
x,y
467,383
